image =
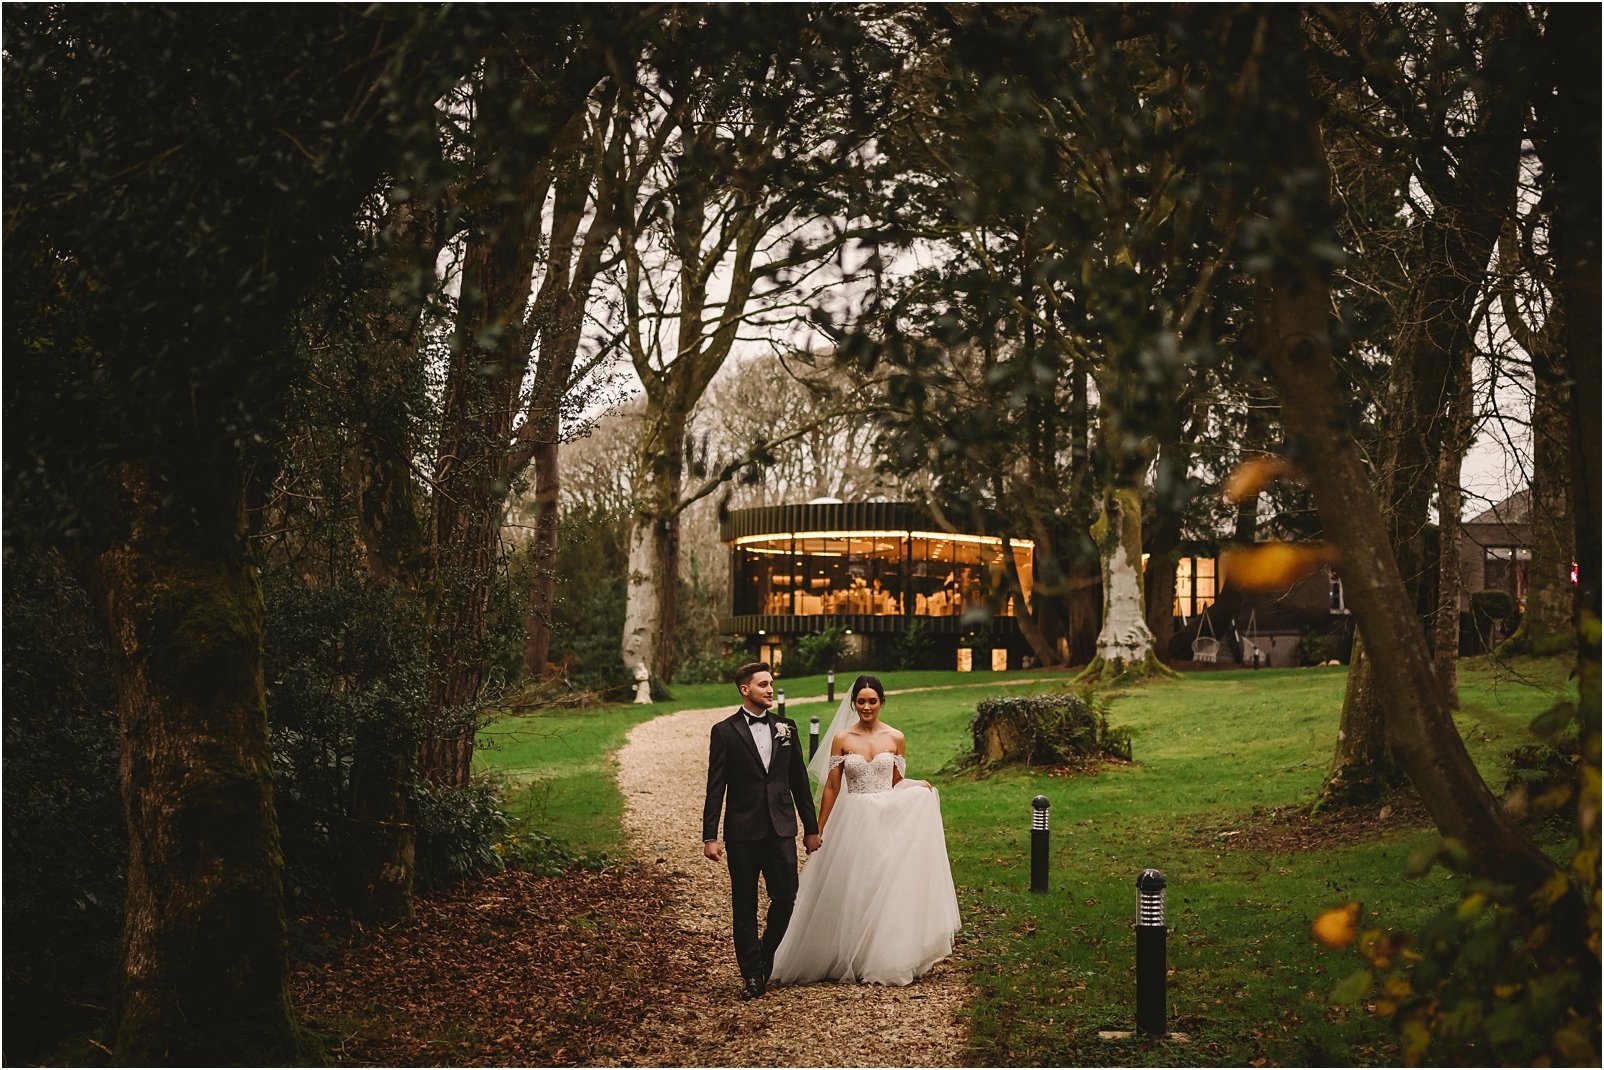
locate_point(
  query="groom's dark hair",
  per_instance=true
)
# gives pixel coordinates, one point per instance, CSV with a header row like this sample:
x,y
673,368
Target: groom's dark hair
x,y
745,673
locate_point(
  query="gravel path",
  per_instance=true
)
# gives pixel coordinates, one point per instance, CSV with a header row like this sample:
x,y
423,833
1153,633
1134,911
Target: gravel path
x,y
663,774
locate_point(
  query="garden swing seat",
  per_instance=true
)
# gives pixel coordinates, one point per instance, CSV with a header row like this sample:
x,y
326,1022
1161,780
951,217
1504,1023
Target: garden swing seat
x,y
1205,647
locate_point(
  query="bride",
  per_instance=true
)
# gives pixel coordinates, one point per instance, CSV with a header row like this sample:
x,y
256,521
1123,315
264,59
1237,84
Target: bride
x,y
876,902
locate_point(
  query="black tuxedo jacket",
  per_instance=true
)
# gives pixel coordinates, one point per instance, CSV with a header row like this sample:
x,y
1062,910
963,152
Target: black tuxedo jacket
x,y
761,803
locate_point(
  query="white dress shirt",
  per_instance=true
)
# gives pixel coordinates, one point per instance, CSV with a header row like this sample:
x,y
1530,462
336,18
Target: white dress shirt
x,y
763,736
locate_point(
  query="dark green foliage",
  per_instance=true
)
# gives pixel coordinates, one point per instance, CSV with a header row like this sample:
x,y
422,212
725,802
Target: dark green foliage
x,y
1496,979
65,842
460,832
914,648
345,671
536,852
1067,728
820,651
588,614
710,667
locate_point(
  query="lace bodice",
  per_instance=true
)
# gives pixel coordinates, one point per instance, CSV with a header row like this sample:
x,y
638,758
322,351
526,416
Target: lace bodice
x,y
862,775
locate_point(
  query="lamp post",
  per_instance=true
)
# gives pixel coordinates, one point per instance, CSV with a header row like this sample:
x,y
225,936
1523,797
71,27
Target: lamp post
x,y
1038,843
1151,959
829,682
780,701
813,736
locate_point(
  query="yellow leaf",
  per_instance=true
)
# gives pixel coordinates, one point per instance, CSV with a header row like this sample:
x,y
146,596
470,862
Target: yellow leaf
x,y
1269,566
1397,987
1552,890
1505,991
1416,1039
1471,906
1335,928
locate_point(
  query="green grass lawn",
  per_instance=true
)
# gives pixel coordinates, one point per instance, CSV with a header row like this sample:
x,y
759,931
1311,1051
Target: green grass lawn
x,y
1050,970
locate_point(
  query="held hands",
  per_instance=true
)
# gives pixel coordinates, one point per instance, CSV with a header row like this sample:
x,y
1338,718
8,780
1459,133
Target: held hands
x,y
713,849
813,842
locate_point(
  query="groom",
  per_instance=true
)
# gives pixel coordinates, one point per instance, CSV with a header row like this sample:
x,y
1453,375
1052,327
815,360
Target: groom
x,y
754,757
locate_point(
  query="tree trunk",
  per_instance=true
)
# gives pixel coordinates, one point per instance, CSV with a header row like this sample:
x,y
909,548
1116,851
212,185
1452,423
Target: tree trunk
x,y
204,938
1363,767
1159,580
1024,612
1548,625
1419,725
490,351
641,606
1450,503
666,549
543,560
1082,608
1471,202
1124,645
1573,155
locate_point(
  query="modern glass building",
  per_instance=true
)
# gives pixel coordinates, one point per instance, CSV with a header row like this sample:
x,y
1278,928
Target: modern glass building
x,y
873,569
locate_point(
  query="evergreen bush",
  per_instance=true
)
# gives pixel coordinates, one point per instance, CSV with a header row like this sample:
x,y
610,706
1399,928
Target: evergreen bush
x,y
461,832
66,845
820,651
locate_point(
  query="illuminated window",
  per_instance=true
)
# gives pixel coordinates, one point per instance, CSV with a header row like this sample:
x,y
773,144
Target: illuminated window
x,y
966,659
999,659
1195,587
895,573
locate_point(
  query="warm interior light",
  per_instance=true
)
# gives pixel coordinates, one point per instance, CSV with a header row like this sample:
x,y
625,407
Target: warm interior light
x,y
934,536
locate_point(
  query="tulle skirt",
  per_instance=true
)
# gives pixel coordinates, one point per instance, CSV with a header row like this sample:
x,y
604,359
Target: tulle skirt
x,y
876,903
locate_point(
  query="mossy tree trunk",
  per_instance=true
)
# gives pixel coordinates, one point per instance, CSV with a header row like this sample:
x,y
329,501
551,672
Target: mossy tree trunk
x,y
1471,194
1419,724
204,939
1362,767
1125,645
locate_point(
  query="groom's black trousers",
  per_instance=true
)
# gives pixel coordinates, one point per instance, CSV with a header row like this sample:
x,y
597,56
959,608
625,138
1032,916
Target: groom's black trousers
x,y
775,858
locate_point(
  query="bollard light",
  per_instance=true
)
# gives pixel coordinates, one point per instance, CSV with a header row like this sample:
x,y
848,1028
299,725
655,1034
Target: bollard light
x,y
1151,958
813,736
829,681
779,697
1038,843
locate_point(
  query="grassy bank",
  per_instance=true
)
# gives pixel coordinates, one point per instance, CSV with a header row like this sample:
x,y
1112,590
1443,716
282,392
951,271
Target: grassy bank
x,y
1214,754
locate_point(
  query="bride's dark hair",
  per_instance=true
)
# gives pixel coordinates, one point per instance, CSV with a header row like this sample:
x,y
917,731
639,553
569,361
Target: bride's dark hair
x,y
872,683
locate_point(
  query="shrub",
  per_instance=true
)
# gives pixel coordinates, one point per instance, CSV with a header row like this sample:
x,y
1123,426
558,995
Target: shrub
x,y
461,832
345,671
1066,728
914,648
707,667
1492,607
1497,978
66,844
545,856
820,651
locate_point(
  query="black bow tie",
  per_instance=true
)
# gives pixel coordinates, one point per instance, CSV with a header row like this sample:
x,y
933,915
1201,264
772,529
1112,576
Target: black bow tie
x,y
761,719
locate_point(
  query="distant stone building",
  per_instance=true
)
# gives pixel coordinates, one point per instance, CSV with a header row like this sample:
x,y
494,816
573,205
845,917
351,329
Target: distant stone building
x,y
1495,550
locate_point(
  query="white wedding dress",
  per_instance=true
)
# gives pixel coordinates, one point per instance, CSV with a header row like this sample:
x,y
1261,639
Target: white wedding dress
x,y
876,903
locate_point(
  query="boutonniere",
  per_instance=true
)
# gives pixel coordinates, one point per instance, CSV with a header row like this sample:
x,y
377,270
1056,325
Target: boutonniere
x,y
782,732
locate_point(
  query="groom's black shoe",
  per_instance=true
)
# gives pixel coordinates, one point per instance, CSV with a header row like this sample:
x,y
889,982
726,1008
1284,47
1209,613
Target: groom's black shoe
x,y
753,988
